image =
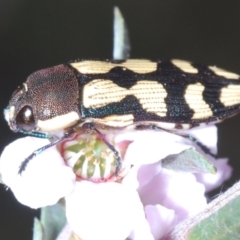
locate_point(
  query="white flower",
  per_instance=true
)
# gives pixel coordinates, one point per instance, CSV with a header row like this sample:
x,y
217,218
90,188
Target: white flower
x,y
106,211
46,179
146,204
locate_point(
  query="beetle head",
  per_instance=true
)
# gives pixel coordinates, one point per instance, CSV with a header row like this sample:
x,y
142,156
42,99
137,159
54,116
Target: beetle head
x,y
48,101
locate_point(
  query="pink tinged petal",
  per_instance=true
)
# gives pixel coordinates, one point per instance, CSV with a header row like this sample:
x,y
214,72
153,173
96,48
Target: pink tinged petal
x,y
147,173
178,191
151,146
212,181
130,180
66,233
160,219
105,211
141,230
45,180
208,136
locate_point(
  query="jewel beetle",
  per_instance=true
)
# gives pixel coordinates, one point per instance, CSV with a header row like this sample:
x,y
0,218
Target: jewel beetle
x,y
121,94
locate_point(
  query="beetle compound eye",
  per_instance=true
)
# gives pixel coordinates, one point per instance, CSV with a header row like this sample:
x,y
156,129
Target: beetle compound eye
x,y
25,120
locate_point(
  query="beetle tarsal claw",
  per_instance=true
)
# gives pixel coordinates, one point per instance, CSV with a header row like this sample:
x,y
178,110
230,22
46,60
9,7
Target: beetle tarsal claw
x,y
118,163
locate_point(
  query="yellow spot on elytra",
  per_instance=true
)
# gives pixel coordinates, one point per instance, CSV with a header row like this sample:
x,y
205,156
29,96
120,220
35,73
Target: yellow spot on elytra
x,y
94,67
230,95
223,73
185,66
150,94
194,98
165,125
117,120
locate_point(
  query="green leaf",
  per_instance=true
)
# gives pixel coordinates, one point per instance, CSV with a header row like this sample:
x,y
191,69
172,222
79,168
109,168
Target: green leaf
x,y
220,220
121,42
223,224
37,230
53,220
188,161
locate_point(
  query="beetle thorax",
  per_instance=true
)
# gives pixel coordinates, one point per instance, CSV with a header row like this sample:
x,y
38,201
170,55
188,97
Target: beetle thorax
x,y
48,99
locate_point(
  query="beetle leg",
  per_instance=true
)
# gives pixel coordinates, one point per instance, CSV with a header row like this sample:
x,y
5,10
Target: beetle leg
x,y
204,148
91,126
35,134
38,151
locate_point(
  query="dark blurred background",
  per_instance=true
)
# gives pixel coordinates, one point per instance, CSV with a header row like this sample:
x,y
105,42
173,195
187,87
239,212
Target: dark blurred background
x,y
40,34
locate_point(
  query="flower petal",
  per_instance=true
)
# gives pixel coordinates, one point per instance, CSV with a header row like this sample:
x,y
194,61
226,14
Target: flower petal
x,y
46,178
178,191
212,181
105,211
161,220
207,135
151,146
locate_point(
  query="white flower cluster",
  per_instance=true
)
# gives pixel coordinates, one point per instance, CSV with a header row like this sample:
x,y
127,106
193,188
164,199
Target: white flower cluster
x,y
146,204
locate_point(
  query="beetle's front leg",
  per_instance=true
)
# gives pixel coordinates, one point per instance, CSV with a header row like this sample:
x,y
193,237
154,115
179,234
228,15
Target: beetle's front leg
x,y
24,164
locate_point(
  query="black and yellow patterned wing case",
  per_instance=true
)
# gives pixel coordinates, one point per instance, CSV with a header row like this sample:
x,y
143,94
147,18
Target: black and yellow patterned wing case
x,y
128,94
172,94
